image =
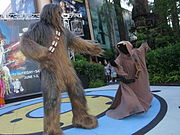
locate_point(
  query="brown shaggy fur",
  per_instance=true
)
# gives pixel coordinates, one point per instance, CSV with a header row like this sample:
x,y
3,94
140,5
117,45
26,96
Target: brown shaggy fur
x,y
57,72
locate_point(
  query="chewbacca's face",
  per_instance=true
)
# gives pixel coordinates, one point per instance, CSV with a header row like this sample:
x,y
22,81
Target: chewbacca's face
x,y
51,14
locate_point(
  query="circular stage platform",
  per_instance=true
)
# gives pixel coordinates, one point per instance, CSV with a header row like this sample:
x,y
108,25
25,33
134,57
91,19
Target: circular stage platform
x,y
26,117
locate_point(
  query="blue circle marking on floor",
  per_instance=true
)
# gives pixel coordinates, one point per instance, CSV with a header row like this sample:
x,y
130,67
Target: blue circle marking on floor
x,y
39,112
136,124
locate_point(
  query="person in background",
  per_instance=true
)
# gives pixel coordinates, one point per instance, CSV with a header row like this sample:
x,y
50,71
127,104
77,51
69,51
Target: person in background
x,y
133,95
107,72
113,74
2,87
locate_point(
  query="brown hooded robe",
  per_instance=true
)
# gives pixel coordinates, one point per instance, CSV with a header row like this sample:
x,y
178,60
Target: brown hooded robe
x,y
134,97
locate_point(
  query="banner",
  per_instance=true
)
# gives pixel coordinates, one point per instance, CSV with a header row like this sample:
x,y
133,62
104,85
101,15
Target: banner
x,y
22,6
75,17
18,76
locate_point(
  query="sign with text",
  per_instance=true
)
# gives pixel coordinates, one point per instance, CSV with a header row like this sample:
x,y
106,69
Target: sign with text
x,y
19,75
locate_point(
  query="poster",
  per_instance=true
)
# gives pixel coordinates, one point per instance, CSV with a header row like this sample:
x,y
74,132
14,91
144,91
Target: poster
x,y
75,17
23,6
19,76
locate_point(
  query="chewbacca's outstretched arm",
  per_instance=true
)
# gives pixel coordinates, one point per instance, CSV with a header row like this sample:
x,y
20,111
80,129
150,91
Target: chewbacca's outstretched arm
x,y
83,46
32,50
80,45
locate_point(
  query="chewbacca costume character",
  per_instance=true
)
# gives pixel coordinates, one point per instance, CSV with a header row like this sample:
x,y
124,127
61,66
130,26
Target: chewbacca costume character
x,y
47,42
133,95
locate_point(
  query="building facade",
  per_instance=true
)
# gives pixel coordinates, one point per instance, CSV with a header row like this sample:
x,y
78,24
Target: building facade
x,y
97,18
92,20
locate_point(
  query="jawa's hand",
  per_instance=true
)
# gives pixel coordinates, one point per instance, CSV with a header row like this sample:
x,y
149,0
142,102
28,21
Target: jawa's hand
x,y
113,63
129,81
126,81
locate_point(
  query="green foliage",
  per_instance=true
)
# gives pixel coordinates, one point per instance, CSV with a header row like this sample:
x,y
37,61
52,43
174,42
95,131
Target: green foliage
x,y
96,83
80,57
109,54
161,38
164,64
91,70
171,77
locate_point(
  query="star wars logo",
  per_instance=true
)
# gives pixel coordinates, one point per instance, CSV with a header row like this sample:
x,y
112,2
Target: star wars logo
x,y
73,22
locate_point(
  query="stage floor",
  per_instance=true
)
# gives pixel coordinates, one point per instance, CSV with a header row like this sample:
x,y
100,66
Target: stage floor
x,y
26,117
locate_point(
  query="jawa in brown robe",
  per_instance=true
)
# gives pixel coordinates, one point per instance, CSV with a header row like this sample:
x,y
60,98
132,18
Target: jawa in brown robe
x,y
47,42
133,95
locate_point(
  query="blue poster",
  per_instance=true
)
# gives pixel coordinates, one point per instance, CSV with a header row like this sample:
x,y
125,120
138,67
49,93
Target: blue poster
x,y
23,6
75,17
19,76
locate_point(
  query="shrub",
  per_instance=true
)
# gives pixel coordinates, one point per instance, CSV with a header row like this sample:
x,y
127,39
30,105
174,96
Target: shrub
x,y
109,54
92,71
96,83
164,64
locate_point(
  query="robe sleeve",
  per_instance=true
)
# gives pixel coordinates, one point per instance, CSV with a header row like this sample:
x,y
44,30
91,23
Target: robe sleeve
x,y
143,49
119,69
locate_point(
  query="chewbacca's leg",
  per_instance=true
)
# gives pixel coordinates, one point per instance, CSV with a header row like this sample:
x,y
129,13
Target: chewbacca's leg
x,y
51,97
81,118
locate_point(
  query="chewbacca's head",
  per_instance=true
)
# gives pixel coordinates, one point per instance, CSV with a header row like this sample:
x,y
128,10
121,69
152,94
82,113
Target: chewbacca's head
x,y
51,14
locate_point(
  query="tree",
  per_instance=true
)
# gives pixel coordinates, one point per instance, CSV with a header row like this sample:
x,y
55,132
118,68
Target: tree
x,y
175,18
120,21
168,18
139,12
107,11
160,8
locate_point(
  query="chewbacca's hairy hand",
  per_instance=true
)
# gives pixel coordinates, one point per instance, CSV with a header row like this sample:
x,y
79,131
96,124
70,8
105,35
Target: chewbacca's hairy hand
x,y
47,61
33,50
86,46
97,50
